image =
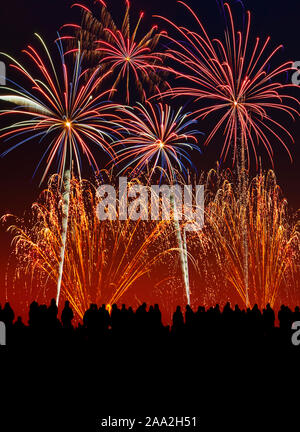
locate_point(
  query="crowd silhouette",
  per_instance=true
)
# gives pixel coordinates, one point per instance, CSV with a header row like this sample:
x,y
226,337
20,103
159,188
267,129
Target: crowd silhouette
x,y
208,327
126,362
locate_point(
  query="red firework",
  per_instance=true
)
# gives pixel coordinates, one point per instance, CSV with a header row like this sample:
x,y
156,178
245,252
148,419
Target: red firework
x,y
159,137
130,57
236,82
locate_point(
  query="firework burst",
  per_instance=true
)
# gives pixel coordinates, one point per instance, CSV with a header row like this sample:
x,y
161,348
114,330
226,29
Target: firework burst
x,y
130,57
104,260
273,240
237,84
241,93
66,113
160,139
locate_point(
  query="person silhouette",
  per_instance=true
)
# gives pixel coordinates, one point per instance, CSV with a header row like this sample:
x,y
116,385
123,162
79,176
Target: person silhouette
x,y
52,314
178,321
34,315
285,318
189,317
296,314
19,323
141,316
103,320
8,315
268,318
116,320
67,316
157,316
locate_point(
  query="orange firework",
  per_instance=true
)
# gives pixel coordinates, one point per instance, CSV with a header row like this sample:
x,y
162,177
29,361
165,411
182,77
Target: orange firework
x,y
240,89
273,240
63,112
103,259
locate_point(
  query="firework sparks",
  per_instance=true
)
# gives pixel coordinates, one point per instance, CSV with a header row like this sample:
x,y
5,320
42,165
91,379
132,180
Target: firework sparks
x,y
66,113
272,238
160,139
240,90
129,57
103,259
235,82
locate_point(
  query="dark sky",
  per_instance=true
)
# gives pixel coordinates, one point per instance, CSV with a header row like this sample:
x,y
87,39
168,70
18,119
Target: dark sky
x,y
20,19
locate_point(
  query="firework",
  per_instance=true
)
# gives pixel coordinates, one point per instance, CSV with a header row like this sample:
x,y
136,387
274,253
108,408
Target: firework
x,y
272,238
65,113
160,139
130,57
236,83
240,90
103,259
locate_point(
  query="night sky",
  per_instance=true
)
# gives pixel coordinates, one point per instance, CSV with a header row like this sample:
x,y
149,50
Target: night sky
x,y
20,19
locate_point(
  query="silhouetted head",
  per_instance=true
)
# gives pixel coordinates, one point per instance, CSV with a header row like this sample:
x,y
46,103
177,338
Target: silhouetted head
x,y
227,307
33,305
